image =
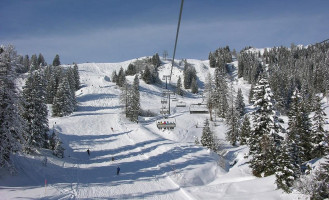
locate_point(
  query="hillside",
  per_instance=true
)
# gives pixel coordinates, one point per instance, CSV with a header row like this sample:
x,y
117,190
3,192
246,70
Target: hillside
x,y
155,164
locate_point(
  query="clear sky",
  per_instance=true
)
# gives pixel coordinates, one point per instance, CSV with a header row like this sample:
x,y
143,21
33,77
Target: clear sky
x,y
118,30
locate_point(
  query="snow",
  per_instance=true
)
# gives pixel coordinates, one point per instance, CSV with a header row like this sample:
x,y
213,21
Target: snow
x,y
155,164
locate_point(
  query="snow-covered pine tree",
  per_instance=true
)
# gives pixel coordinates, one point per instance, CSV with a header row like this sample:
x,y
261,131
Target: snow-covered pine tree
x,y
11,123
207,138
209,93
41,60
239,103
131,70
26,63
125,98
212,60
264,139
245,130
194,86
71,80
286,170
299,129
76,76
63,103
319,145
179,89
56,61
232,121
53,77
135,100
189,74
56,145
315,184
34,63
121,78
114,76
35,110
147,76
251,94
156,60
220,93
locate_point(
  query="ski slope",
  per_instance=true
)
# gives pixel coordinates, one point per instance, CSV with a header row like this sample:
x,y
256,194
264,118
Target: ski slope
x,y
155,164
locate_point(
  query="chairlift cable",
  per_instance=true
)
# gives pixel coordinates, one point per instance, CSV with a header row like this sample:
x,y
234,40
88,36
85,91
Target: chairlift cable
x,y
180,17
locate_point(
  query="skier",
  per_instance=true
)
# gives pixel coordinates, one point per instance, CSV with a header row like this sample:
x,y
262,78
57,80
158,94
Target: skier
x,y
118,170
88,152
112,158
112,129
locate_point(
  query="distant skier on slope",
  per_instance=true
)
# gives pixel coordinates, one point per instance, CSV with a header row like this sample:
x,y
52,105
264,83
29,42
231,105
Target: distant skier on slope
x,y
118,170
112,129
88,152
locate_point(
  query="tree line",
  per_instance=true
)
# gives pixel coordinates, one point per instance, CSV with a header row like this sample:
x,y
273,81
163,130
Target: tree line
x,y
292,81
24,115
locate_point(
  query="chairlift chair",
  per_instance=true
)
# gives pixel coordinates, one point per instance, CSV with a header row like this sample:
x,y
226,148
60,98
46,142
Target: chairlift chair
x,y
166,123
199,108
164,111
181,104
164,101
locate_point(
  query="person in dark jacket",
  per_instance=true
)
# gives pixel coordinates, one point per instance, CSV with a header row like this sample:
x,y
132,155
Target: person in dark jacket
x,y
118,170
88,152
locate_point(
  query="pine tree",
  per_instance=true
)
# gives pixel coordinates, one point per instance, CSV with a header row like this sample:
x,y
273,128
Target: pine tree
x,y
264,139
147,76
34,63
179,89
26,63
156,60
135,100
299,129
245,130
316,184
121,78
35,110
56,61
194,86
286,170
131,70
208,90
11,124
76,76
41,60
212,60
232,121
63,103
219,96
114,76
318,133
207,138
125,98
239,103
56,145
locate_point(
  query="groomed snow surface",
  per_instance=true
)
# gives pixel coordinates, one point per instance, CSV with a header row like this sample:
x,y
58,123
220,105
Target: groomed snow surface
x,y
155,164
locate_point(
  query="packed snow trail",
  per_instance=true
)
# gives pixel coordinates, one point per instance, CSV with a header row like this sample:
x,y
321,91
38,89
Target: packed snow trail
x,y
143,172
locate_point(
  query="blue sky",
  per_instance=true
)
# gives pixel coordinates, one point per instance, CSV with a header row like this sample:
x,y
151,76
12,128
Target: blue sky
x,y
118,30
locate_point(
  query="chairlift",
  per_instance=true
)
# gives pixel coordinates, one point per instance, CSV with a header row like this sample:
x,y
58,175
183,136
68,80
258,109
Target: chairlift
x,y
164,111
166,123
199,108
164,101
181,104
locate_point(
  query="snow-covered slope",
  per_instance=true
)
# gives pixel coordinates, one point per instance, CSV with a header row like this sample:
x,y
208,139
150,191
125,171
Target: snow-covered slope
x,y
155,164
